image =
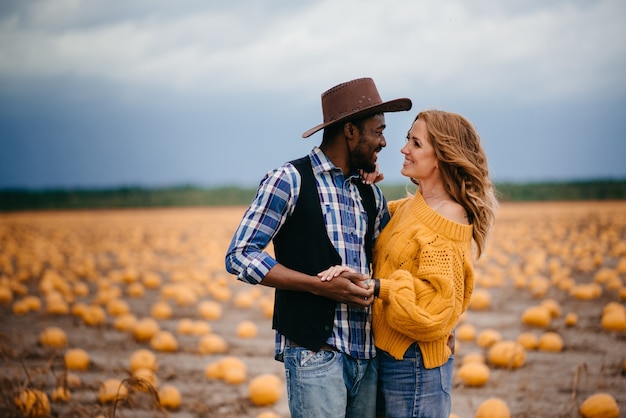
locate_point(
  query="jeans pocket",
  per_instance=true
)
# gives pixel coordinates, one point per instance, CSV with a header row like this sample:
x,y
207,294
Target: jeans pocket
x,y
447,370
315,359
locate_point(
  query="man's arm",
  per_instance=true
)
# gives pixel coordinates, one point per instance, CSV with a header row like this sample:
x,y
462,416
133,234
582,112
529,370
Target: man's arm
x,y
342,288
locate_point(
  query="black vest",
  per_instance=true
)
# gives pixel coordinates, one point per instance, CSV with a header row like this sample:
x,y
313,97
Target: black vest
x,y
302,244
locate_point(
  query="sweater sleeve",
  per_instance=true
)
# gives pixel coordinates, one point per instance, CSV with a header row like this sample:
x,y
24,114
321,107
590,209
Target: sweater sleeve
x,y
395,204
421,305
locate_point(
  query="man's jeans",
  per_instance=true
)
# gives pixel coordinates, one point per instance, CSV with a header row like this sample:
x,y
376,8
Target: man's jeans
x,y
329,384
407,389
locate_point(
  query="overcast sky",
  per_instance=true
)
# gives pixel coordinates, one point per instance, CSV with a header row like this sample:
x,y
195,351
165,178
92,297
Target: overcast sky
x,y
100,93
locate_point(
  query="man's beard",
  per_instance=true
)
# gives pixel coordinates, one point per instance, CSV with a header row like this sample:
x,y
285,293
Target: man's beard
x,y
364,161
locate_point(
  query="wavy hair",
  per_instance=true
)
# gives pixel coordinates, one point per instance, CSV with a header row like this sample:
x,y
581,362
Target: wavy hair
x,y
464,169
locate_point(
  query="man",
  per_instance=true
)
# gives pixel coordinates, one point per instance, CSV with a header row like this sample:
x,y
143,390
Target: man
x,y
318,213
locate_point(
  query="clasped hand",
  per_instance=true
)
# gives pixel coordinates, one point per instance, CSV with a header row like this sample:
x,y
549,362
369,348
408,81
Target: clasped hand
x,y
348,286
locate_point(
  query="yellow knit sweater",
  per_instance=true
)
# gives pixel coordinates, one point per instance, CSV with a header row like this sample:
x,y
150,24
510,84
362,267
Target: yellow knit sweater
x,y
424,264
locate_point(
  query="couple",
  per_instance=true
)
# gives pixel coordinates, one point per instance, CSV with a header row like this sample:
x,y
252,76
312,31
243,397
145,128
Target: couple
x,y
328,226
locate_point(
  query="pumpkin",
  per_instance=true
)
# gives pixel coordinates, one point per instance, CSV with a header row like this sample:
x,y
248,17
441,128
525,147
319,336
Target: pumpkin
x,y
142,359
474,373
129,275
164,341
80,289
148,375
185,295
145,329
200,328
613,306
586,291
116,307
493,408
243,300
76,359
553,306
53,337
488,337
614,320
210,310
125,322
212,344
550,341
229,369
151,280
185,326
20,307
571,319
537,316
56,304
247,329
213,370
480,300
473,357
506,353
170,397
235,376
599,405
161,310
221,292
528,340
94,315
61,394
265,389
78,309
106,294
266,305
112,389
466,332
33,403
72,380
270,414
136,290
27,304
6,294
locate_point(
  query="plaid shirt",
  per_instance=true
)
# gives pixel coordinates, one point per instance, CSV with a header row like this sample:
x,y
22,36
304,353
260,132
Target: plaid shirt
x,y
346,224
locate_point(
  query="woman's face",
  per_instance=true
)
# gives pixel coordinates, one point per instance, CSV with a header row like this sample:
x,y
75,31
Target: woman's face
x,y
420,161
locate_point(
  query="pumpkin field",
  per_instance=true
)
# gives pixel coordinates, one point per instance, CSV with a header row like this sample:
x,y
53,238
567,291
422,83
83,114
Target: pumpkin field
x,y
130,313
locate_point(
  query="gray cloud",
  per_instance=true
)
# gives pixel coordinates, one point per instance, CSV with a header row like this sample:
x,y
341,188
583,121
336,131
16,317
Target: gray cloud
x,y
527,50
94,92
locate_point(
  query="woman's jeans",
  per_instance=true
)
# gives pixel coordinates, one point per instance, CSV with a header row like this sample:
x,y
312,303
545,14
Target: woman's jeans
x,y
329,384
407,389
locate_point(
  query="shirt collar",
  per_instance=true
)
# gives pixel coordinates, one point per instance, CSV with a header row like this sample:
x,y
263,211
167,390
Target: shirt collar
x,y
321,163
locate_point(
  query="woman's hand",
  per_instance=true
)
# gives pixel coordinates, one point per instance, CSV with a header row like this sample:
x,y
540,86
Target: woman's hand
x,y
373,177
356,278
333,271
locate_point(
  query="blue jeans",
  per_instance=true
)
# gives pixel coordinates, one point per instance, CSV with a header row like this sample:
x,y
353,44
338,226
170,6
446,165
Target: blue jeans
x,y
329,384
407,389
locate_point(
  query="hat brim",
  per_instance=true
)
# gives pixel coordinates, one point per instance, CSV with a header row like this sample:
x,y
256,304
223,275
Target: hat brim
x,y
397,105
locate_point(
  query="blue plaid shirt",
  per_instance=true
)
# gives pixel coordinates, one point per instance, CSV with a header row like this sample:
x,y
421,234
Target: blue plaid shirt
x,y
346,224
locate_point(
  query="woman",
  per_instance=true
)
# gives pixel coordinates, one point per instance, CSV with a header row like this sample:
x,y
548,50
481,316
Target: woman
x,y
423,263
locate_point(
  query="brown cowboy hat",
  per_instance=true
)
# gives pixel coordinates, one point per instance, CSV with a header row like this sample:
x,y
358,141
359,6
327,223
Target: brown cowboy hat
x,y
354,99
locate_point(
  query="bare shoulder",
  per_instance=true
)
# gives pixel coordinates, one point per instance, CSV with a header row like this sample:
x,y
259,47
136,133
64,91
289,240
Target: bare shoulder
x,y
453,211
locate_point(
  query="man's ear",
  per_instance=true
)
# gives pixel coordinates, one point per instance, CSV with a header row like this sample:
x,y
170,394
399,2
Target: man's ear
x,y
348,129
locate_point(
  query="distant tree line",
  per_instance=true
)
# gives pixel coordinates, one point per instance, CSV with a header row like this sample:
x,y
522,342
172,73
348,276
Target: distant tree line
x,y
135,197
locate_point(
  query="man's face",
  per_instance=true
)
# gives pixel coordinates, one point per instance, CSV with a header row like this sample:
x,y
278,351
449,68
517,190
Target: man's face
x,y
369,143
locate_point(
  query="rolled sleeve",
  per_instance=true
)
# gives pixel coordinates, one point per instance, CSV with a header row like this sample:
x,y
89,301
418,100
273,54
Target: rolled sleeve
x,y
273,203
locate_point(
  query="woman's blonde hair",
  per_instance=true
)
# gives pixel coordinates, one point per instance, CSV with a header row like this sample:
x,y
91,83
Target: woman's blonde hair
x,y
464,169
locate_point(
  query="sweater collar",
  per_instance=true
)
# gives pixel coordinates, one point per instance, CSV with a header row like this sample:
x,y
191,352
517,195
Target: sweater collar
x,y
431,218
